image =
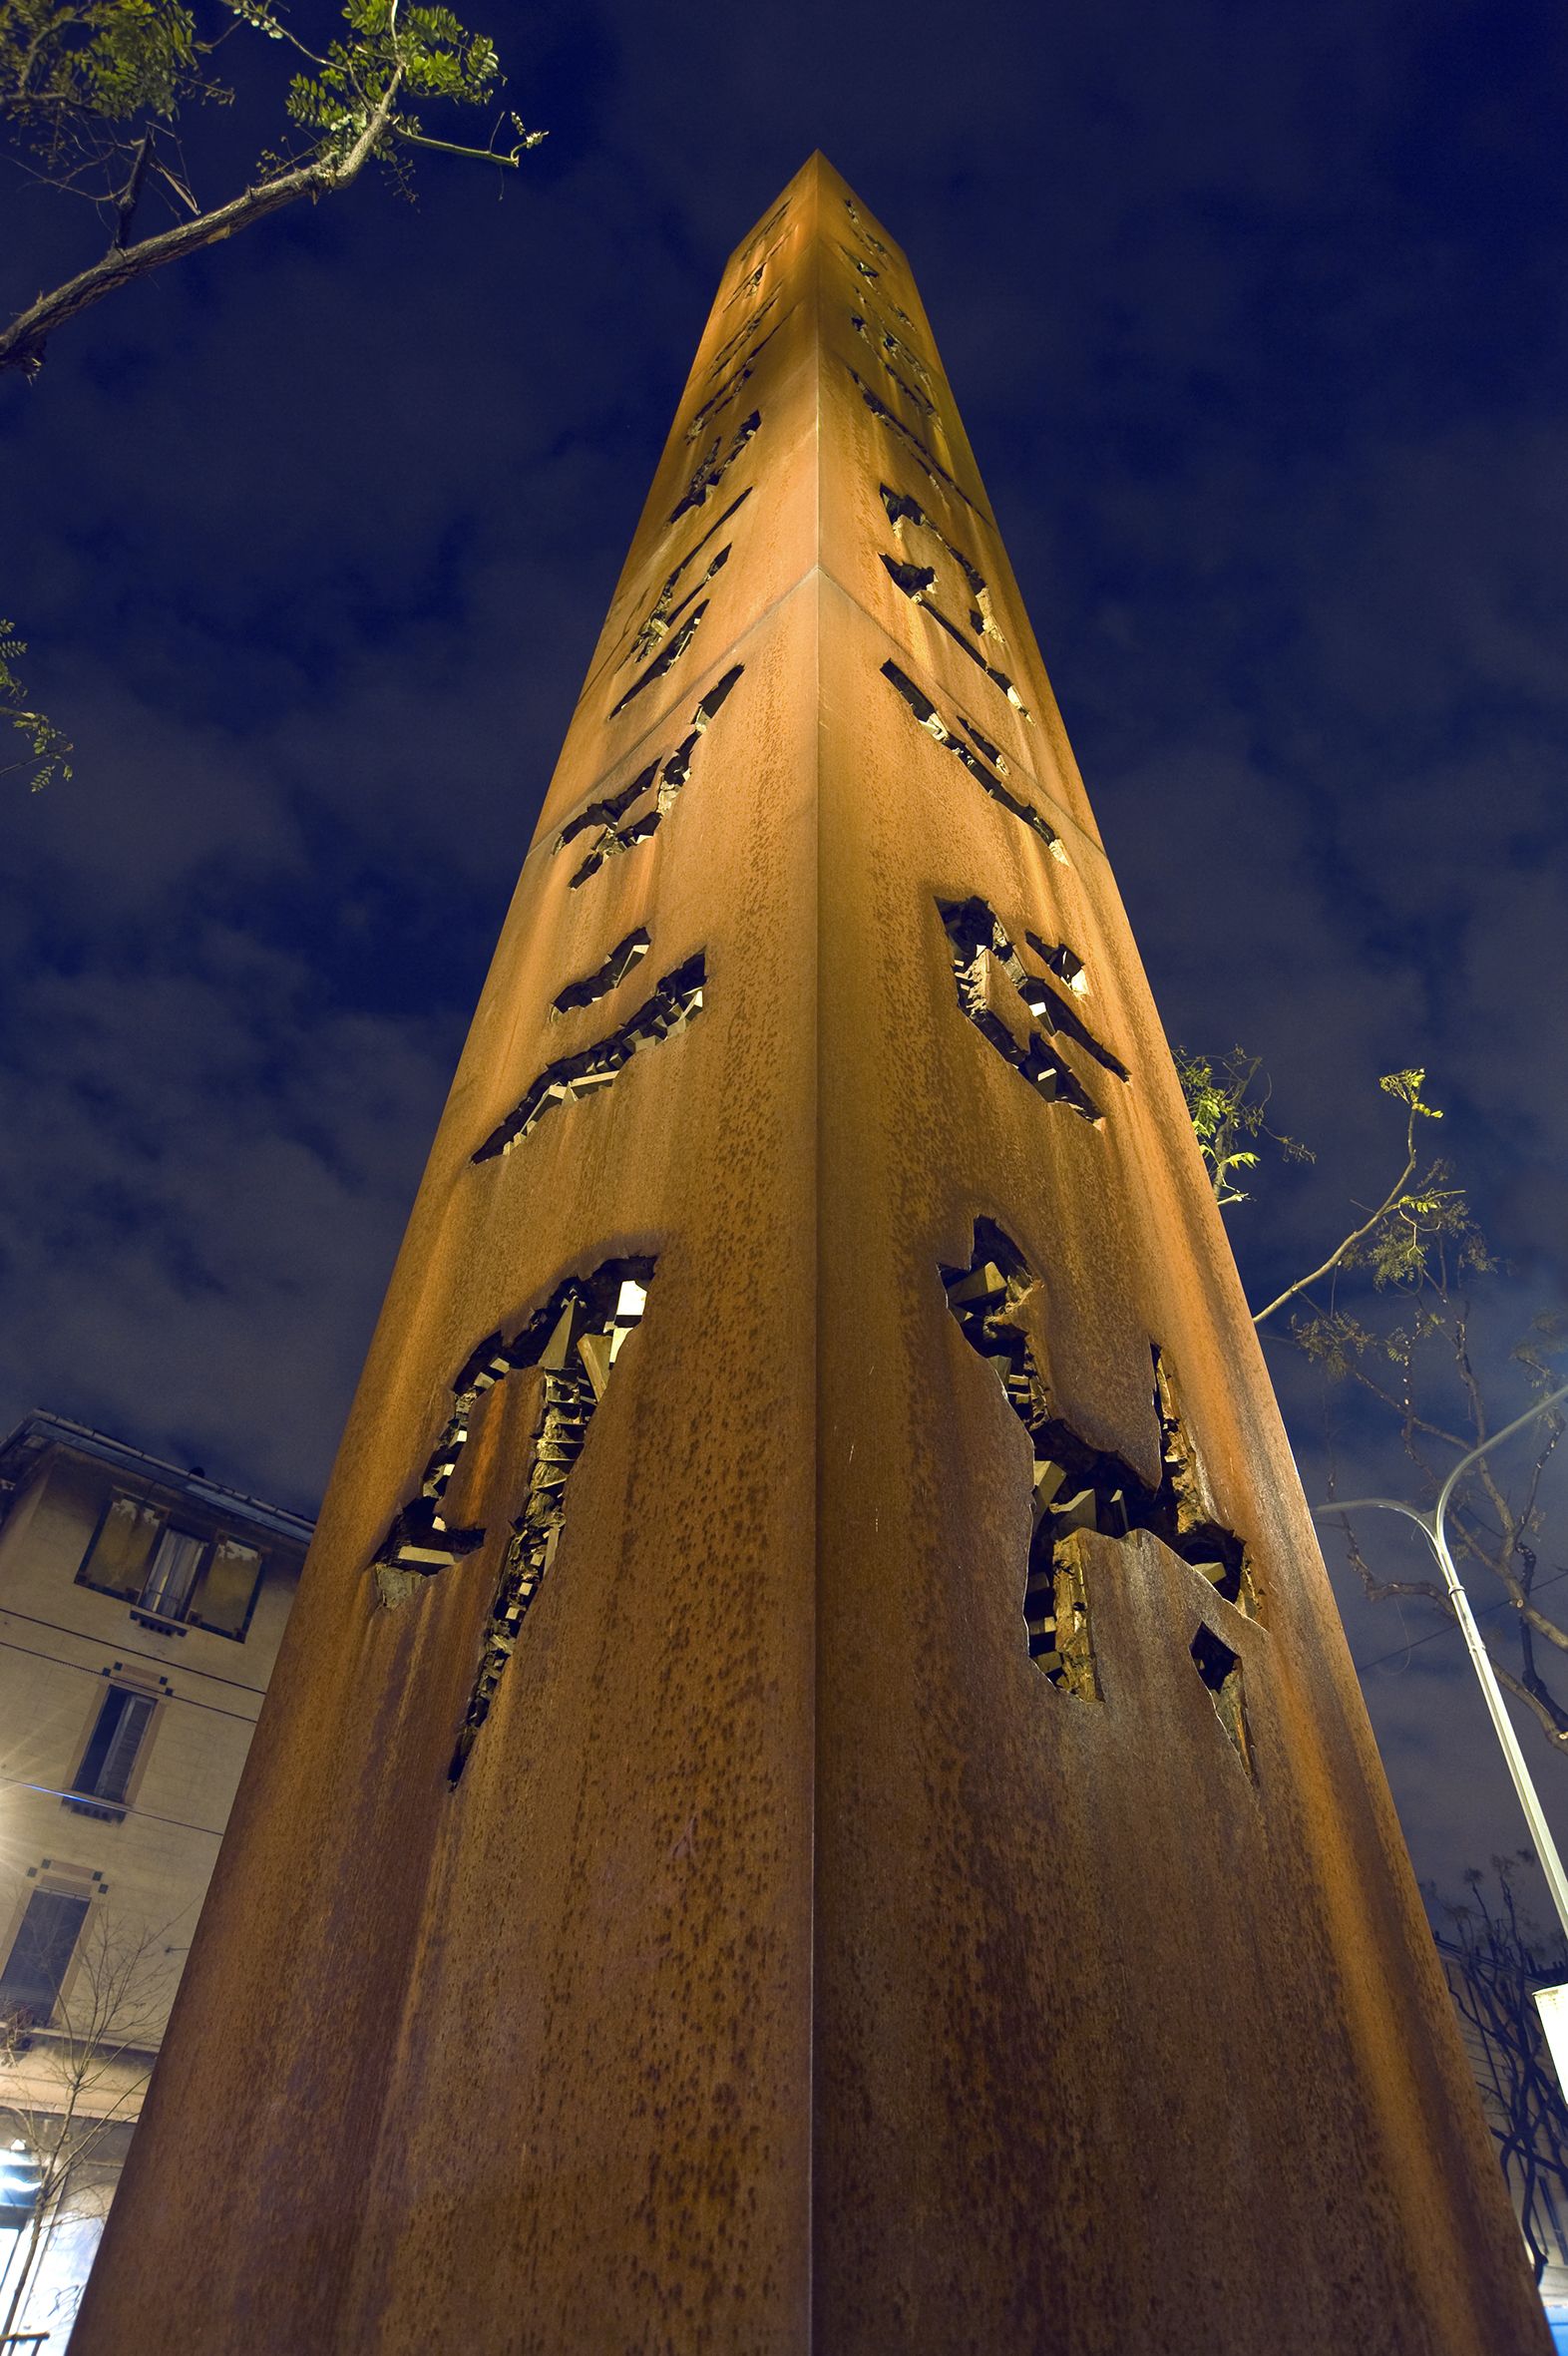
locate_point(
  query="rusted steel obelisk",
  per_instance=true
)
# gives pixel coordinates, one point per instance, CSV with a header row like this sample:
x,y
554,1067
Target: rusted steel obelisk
x,y
814,1798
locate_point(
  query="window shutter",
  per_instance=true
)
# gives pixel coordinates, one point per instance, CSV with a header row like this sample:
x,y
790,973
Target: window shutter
x,y
228,1590
117,1559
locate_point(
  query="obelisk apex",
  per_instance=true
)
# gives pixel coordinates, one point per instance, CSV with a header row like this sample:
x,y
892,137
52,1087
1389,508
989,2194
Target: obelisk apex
x,y
814,1798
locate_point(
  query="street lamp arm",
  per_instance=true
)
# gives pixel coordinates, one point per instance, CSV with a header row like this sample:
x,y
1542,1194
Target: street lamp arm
x,y
1542,1406
1431,1528
1363,1504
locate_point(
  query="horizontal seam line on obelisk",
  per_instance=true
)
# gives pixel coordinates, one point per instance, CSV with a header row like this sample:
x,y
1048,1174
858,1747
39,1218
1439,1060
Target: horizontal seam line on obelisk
x,y
1055,808
653,508
628,757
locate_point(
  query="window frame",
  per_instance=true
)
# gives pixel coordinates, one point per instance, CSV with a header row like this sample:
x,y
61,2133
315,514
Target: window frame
x,y
83,1799
43,1884
209,1531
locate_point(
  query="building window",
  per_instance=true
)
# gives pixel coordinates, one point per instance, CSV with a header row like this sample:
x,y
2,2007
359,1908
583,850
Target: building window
x,y
172,1574
40,1953
117,1737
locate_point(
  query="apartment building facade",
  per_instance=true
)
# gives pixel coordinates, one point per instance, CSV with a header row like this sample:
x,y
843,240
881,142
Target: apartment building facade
x,y
141,1610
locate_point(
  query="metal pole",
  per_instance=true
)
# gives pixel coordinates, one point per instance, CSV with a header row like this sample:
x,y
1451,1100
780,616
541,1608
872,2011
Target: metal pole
x,y
1431,1527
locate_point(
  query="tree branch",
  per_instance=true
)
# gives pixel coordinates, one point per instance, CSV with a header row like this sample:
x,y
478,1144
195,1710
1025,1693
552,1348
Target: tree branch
x,y
1378,1590
131,195
1530,1691
1452,1439
22,344
447,146
1365,1227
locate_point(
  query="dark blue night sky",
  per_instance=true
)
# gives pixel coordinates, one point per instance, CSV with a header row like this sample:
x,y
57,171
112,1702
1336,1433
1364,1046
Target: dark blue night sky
x,y
1256,320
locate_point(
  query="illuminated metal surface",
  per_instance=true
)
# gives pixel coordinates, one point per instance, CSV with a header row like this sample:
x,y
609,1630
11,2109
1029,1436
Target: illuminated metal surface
x,y
921,1879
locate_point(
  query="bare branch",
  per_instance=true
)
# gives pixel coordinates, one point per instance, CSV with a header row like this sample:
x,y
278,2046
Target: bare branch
x,y
447,146
1532,1693
131,195
1452,1439
66,2084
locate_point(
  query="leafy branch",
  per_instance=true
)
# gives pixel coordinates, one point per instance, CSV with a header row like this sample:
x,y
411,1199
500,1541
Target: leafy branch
x,y
90,91
75,73
1387,1314
1394,1239
48,746
1224,1111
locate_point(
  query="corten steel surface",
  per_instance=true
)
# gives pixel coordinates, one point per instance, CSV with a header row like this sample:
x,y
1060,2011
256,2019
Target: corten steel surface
x,y
798,1963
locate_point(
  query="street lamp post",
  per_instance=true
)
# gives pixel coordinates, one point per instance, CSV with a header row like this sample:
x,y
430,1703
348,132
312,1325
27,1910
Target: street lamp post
x,y
1552,2002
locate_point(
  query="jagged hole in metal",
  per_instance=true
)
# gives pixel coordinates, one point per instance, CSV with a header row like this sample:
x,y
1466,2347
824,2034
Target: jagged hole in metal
x,y
608,976
709,471
748,286
670,1004
655,624
873,278
575,1340
768,227
1221,1671
729,388
1077,1487
754,276
884,342
868,323
922,457
633,816
675,649
1011,1007
982,759
918,582
863,232
742,336
419,1542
